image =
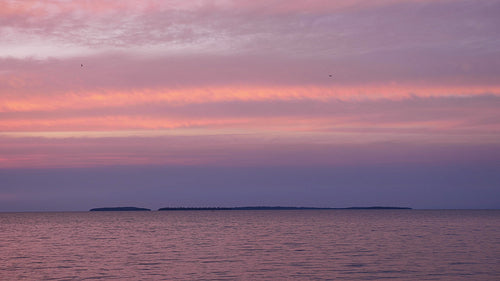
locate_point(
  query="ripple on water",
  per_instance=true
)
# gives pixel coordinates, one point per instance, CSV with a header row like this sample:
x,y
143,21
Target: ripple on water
x,y
250,245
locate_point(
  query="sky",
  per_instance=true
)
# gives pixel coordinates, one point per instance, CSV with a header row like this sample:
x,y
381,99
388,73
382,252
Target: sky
x,y
249,103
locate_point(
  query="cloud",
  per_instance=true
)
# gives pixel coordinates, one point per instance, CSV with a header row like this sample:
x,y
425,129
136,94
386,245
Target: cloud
x,y
162,44
321,29
233,149
258,132
421,70
129,74
444,118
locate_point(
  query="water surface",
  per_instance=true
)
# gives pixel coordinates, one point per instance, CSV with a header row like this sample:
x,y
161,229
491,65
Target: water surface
x,y
252,245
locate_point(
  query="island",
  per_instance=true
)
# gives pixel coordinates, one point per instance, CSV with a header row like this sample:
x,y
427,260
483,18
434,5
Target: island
x,y
119,209
377,208
277,208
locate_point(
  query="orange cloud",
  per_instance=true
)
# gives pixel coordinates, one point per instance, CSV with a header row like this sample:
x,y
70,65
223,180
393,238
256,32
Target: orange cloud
x,y
113,98
371,113
110,123
104,6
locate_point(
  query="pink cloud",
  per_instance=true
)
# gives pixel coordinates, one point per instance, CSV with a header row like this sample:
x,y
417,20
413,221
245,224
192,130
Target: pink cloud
x,y
131,73
125,112
412,72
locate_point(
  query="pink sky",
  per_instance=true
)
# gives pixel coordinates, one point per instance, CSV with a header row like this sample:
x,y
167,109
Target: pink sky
x,y
247,83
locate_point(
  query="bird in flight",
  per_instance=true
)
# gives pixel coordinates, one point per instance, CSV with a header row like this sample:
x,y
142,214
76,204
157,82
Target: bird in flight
x,y
81,65
330,75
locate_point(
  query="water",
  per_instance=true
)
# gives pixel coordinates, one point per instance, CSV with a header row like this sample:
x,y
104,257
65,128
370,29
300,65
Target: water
x,y
252,245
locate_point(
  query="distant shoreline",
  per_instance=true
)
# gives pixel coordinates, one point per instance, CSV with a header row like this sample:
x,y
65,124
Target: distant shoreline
x,y
113,209
277,208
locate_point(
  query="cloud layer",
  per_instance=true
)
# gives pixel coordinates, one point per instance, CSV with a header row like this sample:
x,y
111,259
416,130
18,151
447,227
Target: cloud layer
x,y
384,68
249,84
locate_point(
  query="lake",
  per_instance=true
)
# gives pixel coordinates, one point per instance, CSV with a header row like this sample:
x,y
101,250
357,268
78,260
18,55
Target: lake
x,y
251,245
